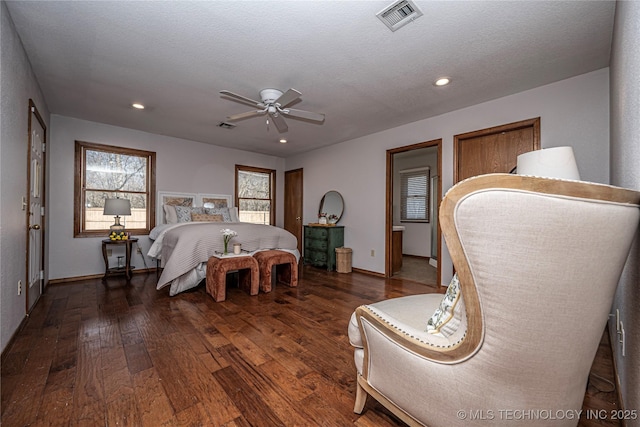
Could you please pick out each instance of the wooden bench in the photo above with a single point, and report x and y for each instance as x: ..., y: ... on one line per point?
x: 218, y: 267
x: 285, y: 264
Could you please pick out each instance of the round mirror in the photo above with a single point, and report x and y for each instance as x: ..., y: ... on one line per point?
x: 332, y: 206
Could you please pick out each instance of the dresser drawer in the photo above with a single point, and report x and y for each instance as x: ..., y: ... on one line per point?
x: 316, y: 244
x: 316, y: 233
x: 316, y: 257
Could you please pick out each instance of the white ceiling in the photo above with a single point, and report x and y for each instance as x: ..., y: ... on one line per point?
x: 93, y: 59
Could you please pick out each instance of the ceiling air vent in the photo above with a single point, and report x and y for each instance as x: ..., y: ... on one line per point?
x: 225, y: 125
x: 398, y: 14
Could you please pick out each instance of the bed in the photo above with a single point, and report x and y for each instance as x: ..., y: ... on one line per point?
x: 189, y: 233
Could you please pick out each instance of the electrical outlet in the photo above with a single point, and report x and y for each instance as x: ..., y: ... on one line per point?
x: 19, y: 287
x: 373, y: 252
x: 109, y: 252
x: 139, y: 250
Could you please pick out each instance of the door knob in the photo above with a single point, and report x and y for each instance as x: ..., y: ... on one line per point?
x: 34, y: 227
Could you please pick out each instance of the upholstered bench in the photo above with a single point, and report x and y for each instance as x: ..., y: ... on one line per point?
x: 285, y: 264
x: 217, y: 269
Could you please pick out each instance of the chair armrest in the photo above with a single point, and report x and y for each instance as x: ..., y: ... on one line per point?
x: 447, y: 350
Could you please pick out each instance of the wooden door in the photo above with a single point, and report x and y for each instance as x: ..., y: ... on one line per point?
x: 494, y: 150
x: 293, y: 204
x: 34, y: 204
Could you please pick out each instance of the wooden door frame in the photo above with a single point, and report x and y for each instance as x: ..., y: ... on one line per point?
x: 389, y: 203
x: 457, y: 139
x: 301, y: 170
x: 33, y: 111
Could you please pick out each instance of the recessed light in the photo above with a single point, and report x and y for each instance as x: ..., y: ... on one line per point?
x: 138, y: 106
x: 283, y: 141
x: 443, y: 81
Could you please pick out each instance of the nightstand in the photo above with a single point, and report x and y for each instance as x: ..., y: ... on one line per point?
x: 126, y: 269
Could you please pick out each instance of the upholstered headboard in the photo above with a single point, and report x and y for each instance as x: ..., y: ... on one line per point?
x: 171, y: 198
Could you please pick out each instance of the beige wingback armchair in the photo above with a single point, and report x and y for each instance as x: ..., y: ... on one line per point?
x: 538, y: 261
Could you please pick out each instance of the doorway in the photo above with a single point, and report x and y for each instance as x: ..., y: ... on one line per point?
x: 421, y: 240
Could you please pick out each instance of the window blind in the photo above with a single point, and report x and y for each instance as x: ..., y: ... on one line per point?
x: 414, y: 195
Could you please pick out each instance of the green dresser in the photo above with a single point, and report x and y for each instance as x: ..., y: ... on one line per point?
x: 320, y: 245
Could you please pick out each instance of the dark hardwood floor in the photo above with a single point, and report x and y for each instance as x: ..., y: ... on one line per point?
x: 118, y: 354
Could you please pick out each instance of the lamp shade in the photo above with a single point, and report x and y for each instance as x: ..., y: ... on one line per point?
x: 556, y: 162
x: 117, y: 207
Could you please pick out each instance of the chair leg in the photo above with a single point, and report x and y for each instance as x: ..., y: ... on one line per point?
x: 361, y: 399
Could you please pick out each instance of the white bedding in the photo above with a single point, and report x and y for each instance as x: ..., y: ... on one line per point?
x: 185, y: 248
x: 157, y: 235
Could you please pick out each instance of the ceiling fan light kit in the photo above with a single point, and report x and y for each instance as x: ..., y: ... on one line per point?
x: 273, y: 102
x: 270, y: 95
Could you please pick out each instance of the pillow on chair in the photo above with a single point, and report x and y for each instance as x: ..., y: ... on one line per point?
x: 445, y: 321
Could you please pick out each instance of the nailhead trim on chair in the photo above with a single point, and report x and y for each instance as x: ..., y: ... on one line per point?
x: 430, y: 344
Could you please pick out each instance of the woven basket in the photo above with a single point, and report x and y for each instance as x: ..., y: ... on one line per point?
x: 343, y: 260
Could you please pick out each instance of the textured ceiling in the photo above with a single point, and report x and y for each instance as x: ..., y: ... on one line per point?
x: 93, y: 59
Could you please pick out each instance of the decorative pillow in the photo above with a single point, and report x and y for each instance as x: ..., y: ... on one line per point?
x: 184, y: 212
x: 196, y: 217
x: 446, y: 319
x: 219, y: 211
x: 170, y: 216
x: 233, y: 213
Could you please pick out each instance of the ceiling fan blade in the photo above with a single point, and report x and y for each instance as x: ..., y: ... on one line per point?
x: 288, y: 97
x: 309, y: 115
x: 241, y: 98
x: 278, y: 120
x: 246, y: 115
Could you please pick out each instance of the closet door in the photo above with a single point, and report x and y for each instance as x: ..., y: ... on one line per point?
x: 34, y: 204
x: 494, y: 150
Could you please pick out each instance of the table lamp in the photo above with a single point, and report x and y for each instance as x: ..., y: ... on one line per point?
x: 556, y: 162
x: 117, y: 207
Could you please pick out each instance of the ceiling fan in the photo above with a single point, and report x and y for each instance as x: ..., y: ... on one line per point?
x: 274, y: 104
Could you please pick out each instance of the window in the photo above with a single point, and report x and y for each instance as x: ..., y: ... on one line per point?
x: 103, y: 172
x: 414, y: 195
x: 256, y: 194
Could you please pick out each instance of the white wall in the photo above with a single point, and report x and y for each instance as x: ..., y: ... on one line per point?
x: 17, y: 85
x: 573, y: 112
x: 181, y: 165
x: 625, y: 172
